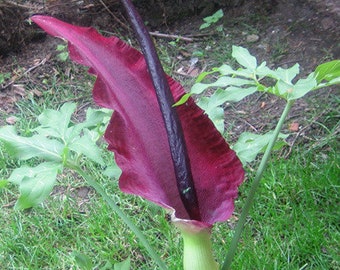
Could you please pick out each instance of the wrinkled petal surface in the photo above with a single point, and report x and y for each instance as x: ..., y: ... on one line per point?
x: 136, y: 133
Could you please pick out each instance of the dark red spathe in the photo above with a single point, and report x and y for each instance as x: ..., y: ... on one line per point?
x: 136, y: 133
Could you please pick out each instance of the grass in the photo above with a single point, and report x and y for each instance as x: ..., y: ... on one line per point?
x: 294, y: 223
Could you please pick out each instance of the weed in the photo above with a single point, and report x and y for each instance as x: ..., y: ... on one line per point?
x: 213, y: 19
x: 63, y: 53
x: 4, y: 77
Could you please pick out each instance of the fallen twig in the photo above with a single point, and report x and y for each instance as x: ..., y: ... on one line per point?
x: 188, y: 38
x: 201, y: 35
x: 157, y: 34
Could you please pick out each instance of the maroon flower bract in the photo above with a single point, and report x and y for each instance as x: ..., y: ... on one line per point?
x: 136, y: 133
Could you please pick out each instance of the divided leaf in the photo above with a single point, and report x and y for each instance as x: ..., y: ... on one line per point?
x: 25, y: 148
x: 211, y: 105
x: 35, y: 183
x: 249, y: 145
x: 215, y: 113
x: 58, y: 135
x: 328, y: 71
x: 86, y: 145
x: 302, y: 87
x: 95, y: 117
x: 244, y: 58
x: 224, y: 81
x: 55, y: 123
x: 286, y: 74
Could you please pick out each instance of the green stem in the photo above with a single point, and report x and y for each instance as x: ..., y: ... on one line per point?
x: 197, y: 252
x: 122, y: 215
x: 255, y: 184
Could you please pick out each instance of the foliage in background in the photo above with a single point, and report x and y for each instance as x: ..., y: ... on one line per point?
x: 56, y: 142
x: 234, y: 85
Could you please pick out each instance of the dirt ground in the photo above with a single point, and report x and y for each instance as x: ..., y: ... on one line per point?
x: 303, y: 31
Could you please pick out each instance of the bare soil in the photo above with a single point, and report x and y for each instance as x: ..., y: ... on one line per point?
x: 303, y: 31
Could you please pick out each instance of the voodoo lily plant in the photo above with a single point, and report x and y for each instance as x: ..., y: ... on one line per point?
x: 170, y: 155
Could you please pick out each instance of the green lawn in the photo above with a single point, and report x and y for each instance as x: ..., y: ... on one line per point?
x: 294, y: 223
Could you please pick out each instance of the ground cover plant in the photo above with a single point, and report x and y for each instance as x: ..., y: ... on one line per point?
x: 80, y: 256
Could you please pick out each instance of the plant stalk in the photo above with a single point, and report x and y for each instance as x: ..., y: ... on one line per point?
x: 122, y: 216
x: 250, y: 199
x: 197, y: 252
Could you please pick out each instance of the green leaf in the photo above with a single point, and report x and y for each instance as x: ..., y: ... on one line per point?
x: 204, y: 25
x: 263, y: 71
x: 96, y: 117
x: 217, y: 98
x: 198, y: 53
x: 215, y: 17
x: 108, y: 266
x: 182, y: 100
x: 204, y: 74
x: 55, y: 123
x: 328, y: 71
x: 335, y: 81
x: 96, y: 120
x: 19, y: 173
x: 86, y: 145
x: 225, y: 70
x: 286, y: 74
x: 113, y: 171
x: 58, y: 123
x: 61, y: 47
x: 83, y: 261
x: 28, y: 147
x: 216, y: 114
x: 37, y: 184
x: 124, y: 265
x: 220, y: 96
x: 249, y: 145
x: 281, y: 89
x: 224, y: 81
x: 233, y: 94
x: 244, y: 58
x: 302, y: 87
x: 63, y: 56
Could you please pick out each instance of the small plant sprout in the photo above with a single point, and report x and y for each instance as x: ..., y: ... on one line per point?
x: 4, y: 77
x: 213, y: 19
x: 63, y: 53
